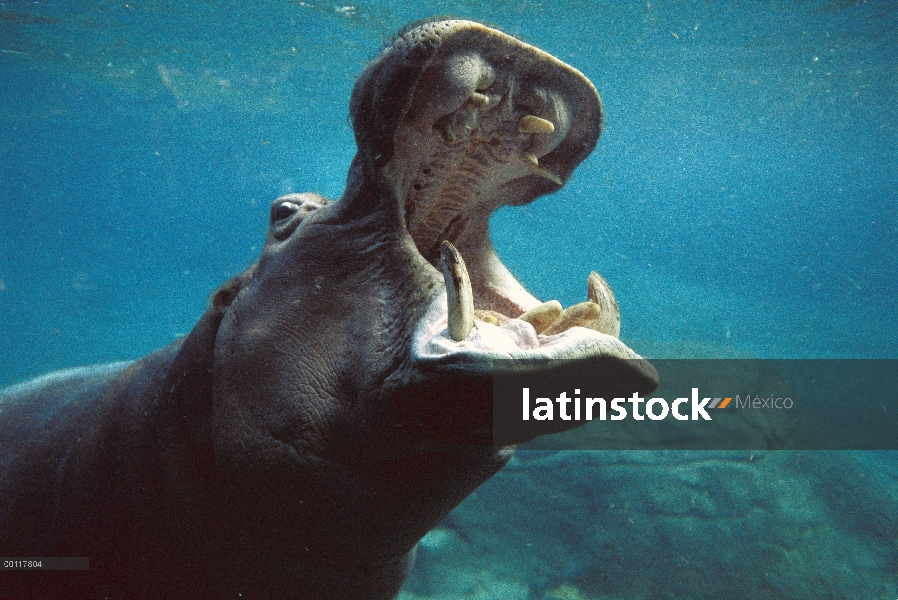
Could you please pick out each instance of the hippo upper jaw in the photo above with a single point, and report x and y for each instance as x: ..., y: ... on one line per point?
x: 455, y: 120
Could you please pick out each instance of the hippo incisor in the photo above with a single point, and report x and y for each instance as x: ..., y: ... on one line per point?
x: 331, y: 406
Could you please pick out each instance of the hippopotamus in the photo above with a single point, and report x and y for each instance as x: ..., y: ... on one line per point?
x: 333, y: 404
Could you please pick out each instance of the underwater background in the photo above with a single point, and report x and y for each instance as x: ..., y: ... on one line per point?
x: 742, y: 202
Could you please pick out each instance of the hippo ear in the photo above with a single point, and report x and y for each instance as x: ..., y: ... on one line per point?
x: 224, y: 295
x: 187, y: 392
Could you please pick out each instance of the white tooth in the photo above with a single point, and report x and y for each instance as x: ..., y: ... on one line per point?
x: 543, y: 315
x: 534, y: 124
x: 600, y: 292
x: 478, y: 100
x: 578, y: 315
x: 532, y: 162
x: 459, y: 296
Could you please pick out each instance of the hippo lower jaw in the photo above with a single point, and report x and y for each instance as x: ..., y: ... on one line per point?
x: 573, y: 333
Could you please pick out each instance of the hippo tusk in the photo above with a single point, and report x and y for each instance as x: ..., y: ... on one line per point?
x: 459, y: 295
x: 600, y: 293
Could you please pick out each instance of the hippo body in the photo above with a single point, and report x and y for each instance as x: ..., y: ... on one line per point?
x: 334, y: 402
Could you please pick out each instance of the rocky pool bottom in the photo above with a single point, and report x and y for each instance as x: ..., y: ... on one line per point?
x: 641, y: 525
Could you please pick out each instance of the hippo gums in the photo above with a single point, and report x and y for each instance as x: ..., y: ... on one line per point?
x: 334, y: 403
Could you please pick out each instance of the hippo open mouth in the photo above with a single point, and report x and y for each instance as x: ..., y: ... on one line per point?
x: 461, y: 119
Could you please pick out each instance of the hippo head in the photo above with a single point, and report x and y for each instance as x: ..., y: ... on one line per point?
x: 352, y: 364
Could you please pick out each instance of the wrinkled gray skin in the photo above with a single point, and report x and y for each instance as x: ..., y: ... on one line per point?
x: 318, y: 420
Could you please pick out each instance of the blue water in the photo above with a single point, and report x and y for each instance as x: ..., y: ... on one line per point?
x: 741, y: 200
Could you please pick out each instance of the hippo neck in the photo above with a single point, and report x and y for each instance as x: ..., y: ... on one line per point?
x: 369, y: 195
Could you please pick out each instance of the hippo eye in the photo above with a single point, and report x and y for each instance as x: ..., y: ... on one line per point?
x: 288, y: 212
x: 284, y: 210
